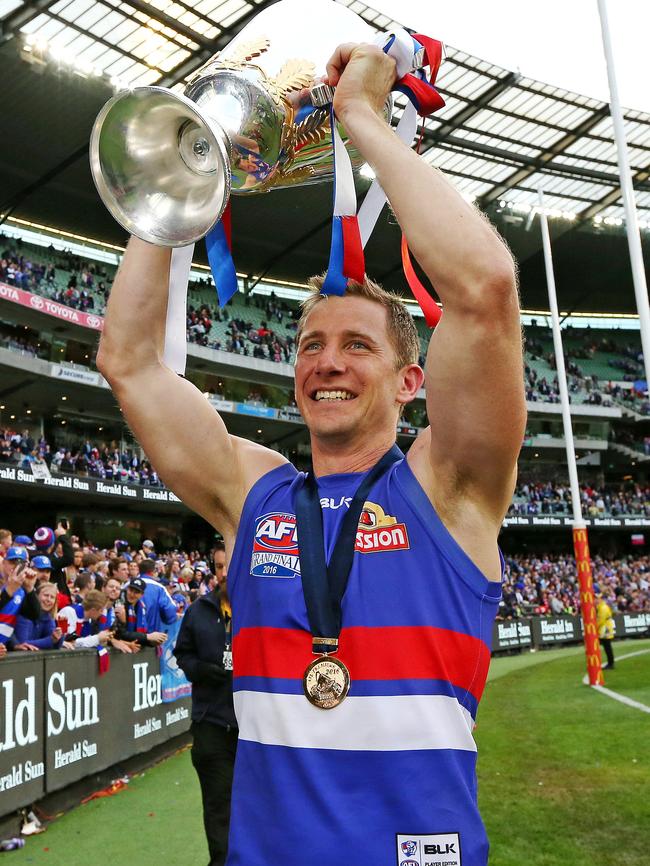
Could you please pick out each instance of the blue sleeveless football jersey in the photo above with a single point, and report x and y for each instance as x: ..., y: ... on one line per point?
x: 387, y: 778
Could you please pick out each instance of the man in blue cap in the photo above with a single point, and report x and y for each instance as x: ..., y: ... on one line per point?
x: 23, y: 541
x: 42, y: 565
x: 17, y: 594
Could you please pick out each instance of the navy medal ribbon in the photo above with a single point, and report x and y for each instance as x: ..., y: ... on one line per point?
x: 324, y: 584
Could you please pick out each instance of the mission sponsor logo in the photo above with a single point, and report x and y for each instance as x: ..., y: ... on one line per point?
x: 275, y: 546
x: 379, y: 531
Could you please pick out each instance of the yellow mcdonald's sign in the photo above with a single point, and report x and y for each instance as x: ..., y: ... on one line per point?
x: 593, y: 660
x: 584, y: 565
x: 580, y: 534
x: 590, y: 628
x: 587, y: 597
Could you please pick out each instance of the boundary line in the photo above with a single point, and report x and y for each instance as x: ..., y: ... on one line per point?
x: 623, y: 699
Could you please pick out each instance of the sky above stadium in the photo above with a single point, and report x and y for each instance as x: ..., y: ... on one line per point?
x: 556, y: 41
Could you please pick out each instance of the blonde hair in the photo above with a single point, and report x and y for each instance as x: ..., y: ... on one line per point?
x: 94, y: 600
x: 48, y: 585
x: 400, y: 325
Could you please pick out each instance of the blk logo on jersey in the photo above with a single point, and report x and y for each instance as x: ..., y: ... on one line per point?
x: 435, y: 849
x: 275, y: 546
x: 379, y: 531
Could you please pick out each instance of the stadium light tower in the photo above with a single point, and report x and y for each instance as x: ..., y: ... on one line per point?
x: 580, y: 539
x: 627, y: 191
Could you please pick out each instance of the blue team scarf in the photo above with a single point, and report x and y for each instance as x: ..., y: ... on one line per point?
x: 107, y: 619
x: 135, y: 617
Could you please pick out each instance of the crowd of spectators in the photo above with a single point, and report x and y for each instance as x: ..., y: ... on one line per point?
x: 548, y: 585
x: 554, y: 497
x: 103, y: 460
x: 25, y: 271
x: 74, y: 594
x: 242, y: 336
x: 59, y: 593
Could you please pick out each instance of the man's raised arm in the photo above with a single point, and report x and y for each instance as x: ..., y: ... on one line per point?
x: 180, y: 431
x: 474, y: 375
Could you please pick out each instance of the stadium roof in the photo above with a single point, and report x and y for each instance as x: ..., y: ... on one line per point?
x: 500, y: 136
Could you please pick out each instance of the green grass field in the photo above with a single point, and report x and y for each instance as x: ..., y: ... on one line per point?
x: 564, y: 779
x: 564, y: 772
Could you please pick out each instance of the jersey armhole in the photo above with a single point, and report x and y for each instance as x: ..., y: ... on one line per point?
x: 463, y: 565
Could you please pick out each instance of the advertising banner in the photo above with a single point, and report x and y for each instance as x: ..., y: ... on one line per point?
x: 52, y: 308
x: 555, y: 629
x: 22, y: 740
x: 256, y: 411
x: 60, y: 721
x: 524, y: 521
x: 72, y: 374
x: 511, y: 634
x: 630, y: 624
x: 145, y: 721
x: 78, y: 723
x: 86, y: 484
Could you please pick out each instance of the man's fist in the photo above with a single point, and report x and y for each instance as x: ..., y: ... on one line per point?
x: 29, y: 579
x: 363, y: 76
x: 157, y: 637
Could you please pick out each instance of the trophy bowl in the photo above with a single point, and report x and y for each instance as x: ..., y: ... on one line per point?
x: 165, y: 163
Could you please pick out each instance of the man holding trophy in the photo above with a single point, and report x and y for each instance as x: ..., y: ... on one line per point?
x: 355, y: 716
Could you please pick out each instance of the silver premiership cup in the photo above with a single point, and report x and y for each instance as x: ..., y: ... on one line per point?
x: 248, y: 121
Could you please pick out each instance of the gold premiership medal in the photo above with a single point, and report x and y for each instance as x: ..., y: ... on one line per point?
x: 326, y: 682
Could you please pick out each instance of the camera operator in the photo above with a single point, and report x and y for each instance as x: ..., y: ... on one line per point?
x: 203, y: 652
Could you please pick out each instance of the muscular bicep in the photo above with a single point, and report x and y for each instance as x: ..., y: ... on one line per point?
x: 189, y: 446
x: 475, y: 402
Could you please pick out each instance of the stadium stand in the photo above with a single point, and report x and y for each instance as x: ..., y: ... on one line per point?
x: 599, y: 362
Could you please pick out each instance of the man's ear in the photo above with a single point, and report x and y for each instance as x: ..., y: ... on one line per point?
x: 412, y: 379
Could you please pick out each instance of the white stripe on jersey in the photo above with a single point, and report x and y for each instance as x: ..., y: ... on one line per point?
x: 382, y: 724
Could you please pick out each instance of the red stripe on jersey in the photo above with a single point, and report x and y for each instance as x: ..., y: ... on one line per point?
x: 9, y: 618
x: 387, y: 653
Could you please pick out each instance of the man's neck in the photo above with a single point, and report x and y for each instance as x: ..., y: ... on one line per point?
x: 333, y: 459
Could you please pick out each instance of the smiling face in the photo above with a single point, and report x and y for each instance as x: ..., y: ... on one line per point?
x: 47, y: 597
x: 112, y: 588
x: 348, y: 384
